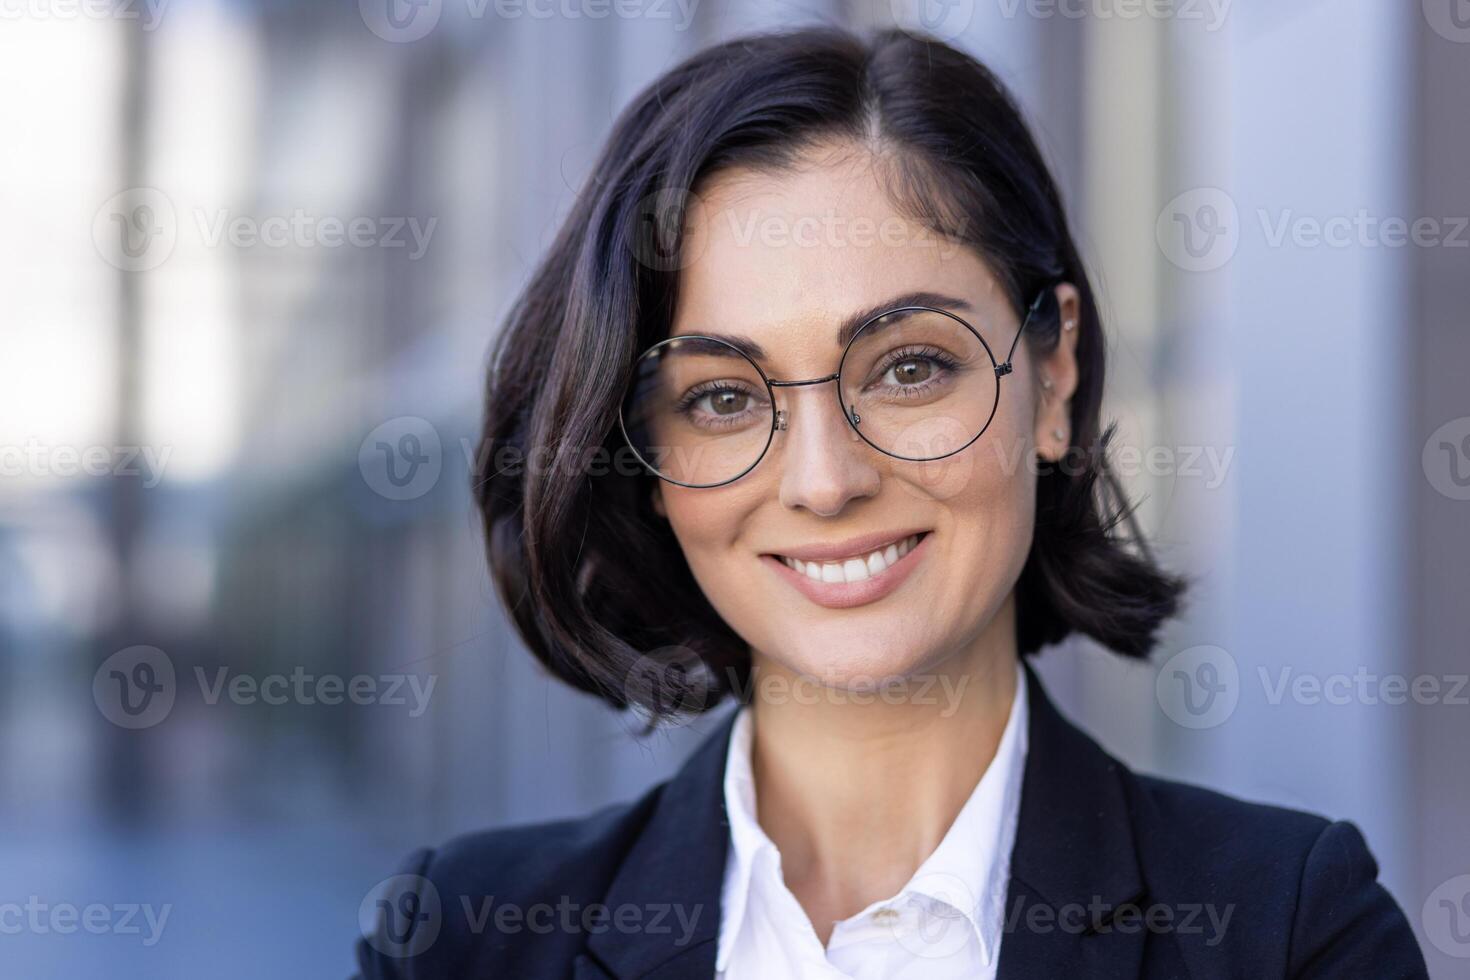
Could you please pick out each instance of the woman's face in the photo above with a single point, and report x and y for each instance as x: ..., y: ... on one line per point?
x: 783, y: 260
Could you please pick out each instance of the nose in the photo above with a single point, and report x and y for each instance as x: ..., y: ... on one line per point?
x: 824, y: 463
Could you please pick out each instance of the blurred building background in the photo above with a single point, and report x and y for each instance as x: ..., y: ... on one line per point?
x: 253, y: 256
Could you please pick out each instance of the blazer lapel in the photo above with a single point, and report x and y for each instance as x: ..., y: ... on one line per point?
x: 670, y: 882
x: 1074, y: 869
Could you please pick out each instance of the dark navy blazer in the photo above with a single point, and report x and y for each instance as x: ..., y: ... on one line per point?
x: 1113, y: 874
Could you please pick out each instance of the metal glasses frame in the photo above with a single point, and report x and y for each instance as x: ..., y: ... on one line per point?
x: 778, y: 417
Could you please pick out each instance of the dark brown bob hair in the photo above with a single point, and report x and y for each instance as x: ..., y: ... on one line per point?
x: 593, y: 577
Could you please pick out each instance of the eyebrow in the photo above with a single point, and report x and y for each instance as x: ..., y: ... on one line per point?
x: 854, y: 322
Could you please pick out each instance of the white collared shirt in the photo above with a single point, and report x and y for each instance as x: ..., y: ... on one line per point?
x: 946, y: 922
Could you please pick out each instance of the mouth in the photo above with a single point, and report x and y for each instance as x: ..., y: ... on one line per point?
x: 855, y: 579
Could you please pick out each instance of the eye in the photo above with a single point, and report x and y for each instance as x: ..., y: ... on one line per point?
x: 718, y: 404
x: 912, y: 370
x: 726, y: 401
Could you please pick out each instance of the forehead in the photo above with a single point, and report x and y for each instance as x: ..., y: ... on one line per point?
x: 783, y: 257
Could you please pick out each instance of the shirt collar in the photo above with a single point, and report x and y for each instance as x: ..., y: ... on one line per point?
x: 747, y: 839
x: 968, y: 871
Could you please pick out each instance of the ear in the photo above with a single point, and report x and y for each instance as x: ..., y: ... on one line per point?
x: 658, y: 499
x: 1056, y: 379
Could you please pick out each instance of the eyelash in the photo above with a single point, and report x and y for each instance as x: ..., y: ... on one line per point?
x: 691, y: 397
x: 940, y: 357
x: 686, y: 404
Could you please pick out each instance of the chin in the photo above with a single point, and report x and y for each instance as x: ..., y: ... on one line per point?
x: 853, y: 660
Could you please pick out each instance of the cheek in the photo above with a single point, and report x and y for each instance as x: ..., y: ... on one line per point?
x: 991, y: 505
x: 997, y: 467
x: 1002, y: 487
x: 708, y: 524
x: 1005, y: 466
x: 994, y: 476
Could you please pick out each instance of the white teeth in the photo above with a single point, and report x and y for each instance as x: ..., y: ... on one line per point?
x: 853, y: 569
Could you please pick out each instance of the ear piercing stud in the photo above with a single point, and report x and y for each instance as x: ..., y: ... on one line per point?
x: 1058, y: 434
x: 1046, y: 384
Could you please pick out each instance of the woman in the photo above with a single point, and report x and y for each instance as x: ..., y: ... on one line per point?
x: 678, y: 509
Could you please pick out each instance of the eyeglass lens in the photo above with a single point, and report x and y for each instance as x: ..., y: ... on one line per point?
x: 915, y: 384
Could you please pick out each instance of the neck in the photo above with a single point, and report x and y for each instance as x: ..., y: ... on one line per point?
x: 881, y: 777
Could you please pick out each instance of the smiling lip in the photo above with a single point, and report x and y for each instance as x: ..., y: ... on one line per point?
x: 852, y: 547
x: 843, y: 595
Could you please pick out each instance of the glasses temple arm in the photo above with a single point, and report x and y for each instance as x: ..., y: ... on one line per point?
x: 1005, y: 368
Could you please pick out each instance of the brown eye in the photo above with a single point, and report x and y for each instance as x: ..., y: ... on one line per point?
x: 913, y: 371
x: 728, y: 402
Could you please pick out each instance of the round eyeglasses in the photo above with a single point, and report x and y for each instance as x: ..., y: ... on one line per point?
x: 915, y: 382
